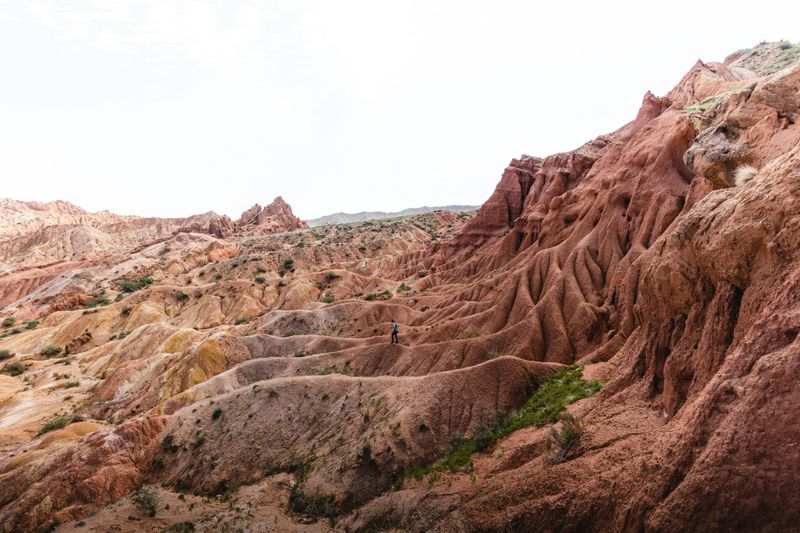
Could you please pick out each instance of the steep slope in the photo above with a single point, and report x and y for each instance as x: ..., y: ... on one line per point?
x: 662, y: 256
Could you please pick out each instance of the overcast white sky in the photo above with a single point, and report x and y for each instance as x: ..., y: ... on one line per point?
x: 174, y: 107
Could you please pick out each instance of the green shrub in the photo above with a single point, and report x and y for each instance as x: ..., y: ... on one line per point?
x: 330, y: 277
x: 182, y: 297
x: 33, y: 324
x: 288, y: 266
x: 51, y: 351
x: 327, y: 299
x: 241, y: 320
x: 133, y: 286
x: 13, y: 369
x: 260, y: 270
x: 59, y: 422
x: 72, y: 384
x: 403, y: 288
x: 5, y: 354
x: 259, y: 279
x: 145, y: 500
x: 383, y: 295
x: 96, y: 301
x: 216, y: 414
x: 9, y: 321
x: 560, y: 442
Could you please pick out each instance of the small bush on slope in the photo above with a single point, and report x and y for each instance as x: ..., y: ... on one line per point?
x: 13, y: 369
x: 58, y: 422
x: 560, y: 441
x: 543, y: 407
x: 145, y: 500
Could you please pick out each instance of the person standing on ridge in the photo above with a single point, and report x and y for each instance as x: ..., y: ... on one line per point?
x: 395, y: 331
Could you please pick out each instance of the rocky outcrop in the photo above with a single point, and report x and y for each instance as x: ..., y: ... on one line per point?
x: 639, y: 255
x: 275, y: 218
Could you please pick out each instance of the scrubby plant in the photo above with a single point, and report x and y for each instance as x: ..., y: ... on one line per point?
x: 51, y: 351
x: 216, y: 414
x: 58, y: 422
x: 5, y: 354
x: 561, y: 441
x: 133, y: 286
x: 383, y: 295
x: 182, y: 297
x: 9, y: 321
x: 97, y: 301
x: 288, y: 266
x: 146, y: 500
x: 241, y: 320
x: 259, y: 279
x: 403, y: 288
x: 327, y: 299
x: 13, y: 369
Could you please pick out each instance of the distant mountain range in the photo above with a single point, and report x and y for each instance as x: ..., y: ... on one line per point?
x: 346, y: 218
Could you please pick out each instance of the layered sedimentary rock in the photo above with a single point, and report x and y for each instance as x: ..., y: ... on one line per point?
x: 644, y: 255
x: 274, y: 218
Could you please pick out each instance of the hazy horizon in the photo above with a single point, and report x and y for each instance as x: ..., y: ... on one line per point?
x: 175, y: 107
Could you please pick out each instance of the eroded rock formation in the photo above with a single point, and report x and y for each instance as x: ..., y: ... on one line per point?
x: 232, y: 360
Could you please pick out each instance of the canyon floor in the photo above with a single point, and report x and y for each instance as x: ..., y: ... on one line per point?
x: 608, y: 344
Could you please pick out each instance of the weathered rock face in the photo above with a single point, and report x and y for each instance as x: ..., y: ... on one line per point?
x: 274, y: 218
x: 634, y: 255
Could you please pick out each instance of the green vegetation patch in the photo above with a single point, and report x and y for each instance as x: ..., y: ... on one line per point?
x: 13, y: 369
x: 383, y: 295
x: 706, y: 105
x: 51, y: 351
x: 133, y: 286
x: 59, y: 422
x: 543, y: 407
